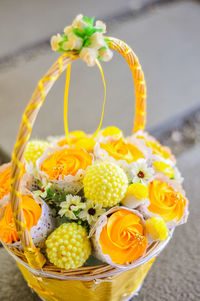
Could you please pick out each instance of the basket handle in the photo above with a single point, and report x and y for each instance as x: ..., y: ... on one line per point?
x: 30, y: 114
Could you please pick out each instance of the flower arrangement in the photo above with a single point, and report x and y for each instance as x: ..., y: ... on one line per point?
x: 85, y: 38
x: 90, y: 198
x: 139, y: 201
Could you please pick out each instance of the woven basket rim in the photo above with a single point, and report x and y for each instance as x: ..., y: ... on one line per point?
x: 90, y: 272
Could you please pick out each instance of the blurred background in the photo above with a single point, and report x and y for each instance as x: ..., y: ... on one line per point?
x: 165, y: 36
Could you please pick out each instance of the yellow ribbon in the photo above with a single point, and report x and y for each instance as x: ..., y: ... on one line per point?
x: 104, y: 101
x: 35, y: 259
x: 66, y: 102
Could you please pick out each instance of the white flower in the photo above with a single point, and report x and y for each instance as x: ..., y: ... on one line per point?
x: 101, y: 25
x: 54, y: 42
x: 43, y: 192
x: 89, y: 55
x: 97, y: 40
x: 140, y: 172
x: 106, y: 54
x: 177, y: 176
x: 72, y: 203
x: 73, y: 43
x: 68, y: 30
x: 78, y: 22
x: 91, y: 212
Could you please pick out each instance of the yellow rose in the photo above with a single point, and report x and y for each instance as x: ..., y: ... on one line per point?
x: 65, y: 162
x: 32, y: 212
x: 165, y: 201
x: 164, y: 168
x: 122, y: 238
x: 5, y: 180
x: 157, y: 148
x: 122, y: 150
x: 112, y: 131
x: 73, y: 138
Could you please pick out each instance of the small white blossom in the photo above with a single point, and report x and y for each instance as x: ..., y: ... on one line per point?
x: 89, y: 55
x: 177, y: 176
x: 140, y: 172
x: 101, y: 25
x: 78, y: 22
x: 43, y: 191
x: 54, y: 42
x: 68, y: 30
x: 73, y: 43
x: 97, y: 40
x: 106, y: 54
x: 72, y: 203
x: 91, y: 212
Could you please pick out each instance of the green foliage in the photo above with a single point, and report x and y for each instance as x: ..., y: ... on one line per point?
x: 103, y: 48
x: 86, y: 42
x: 79, y: 32
x: 54, y: 197
x: 89, y: 21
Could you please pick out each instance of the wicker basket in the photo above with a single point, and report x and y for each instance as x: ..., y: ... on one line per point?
x: 100, y: 283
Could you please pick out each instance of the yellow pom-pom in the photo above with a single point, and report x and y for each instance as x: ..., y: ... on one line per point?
x: 157, y: 228
x: 68, y: 247
x: 164, y: 168
x: 34, y: 150
x: 138, y: 190
x: 112, y: 131
x: 105, y: 183
x: 135, y: 195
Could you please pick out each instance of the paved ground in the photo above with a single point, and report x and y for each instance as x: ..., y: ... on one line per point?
x: 174, y: 276
x: 167, y: 41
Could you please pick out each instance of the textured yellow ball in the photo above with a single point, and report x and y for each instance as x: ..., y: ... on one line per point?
x: 68, y: 247
x: 157, y: 228
x: 34, y: 150
x: 105, y: 183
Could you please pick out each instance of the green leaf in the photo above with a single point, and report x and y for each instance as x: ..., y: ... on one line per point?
x: 89, y: 21
x: 65, y: 37
x: 79, y: 32
x: 89, y: 31
x: 103, y: 48
x: 77, y: 211
x: 92, y: 261
x: 108, y: 41
x: 100, y: 57
x: 86, y: 42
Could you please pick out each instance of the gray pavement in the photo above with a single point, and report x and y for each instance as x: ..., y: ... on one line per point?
x: 167, y: 42
x: 175, y: 274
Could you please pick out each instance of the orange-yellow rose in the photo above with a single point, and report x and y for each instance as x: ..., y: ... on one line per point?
x: 122, y: 238
x: 157, y: 148
x: 66, y: 162
x: 165, y: 201
x: 73, y: 138
x: 122, y: 150
x: 79, y: 139
x: 5, y: 181
x: 32, y: 212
